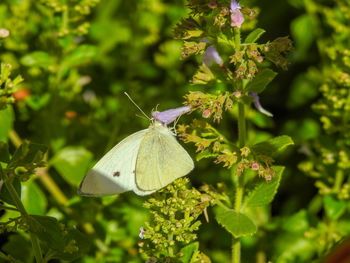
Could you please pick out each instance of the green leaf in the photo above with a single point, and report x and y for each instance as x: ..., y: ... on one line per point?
x: 6, y: 122
x: 4, y: 152
x: 261, y: 80
x: 334, y: 208
x: 264, y: 192
x: 188, y: 252
x: 81, y: 55
x: 66, y: 244
x: 273, y: 145
x: 37, y: 59
x: 302, y: 30
x: 297, y: 223
x: 72, y: 163
x: 5, y: 195
x: 254, y: 36
x: 33, y: 198
x: 28, y: 154
x: 238, y: 224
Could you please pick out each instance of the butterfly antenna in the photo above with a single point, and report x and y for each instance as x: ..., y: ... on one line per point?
x: 137, y: 106
x: 141, y: 116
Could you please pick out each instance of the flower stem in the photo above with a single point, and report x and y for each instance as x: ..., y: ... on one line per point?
x: 236, y: 243
x: 21, y: 209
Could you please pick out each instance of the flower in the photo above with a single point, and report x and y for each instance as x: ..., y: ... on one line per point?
x: 237, y: 18
x: 258, y: 105
x: 4, y: 33
x: 168, y: 116
x: 211, y: 55
x: 255, y: 165
x: 142, y: 233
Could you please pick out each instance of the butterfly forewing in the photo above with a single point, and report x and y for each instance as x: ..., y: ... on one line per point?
x: 161, y: 159
x: 115, y: 172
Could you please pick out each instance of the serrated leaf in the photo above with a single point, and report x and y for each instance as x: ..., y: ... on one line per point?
x: 66, y: 244
x: 334, y: 208
x: 265, y: 191
x: 28, y: 154
x: 37, y: 59
x: 205, y: 155
x: 4, y: 152
x: 273, y: 145
x: 238, y: 224
x: 188, y: 252
x: 254, y: 36
x: 5, y: 194
x: 261, y: 80
x: 72, y: 163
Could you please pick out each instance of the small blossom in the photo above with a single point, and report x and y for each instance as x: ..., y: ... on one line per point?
x: 168, y: 116
x: 237, y: 94
x: 268, y: 177
x: 4, y: 33
x: 255, y: 166
x: 142, y: 233
x: 206, y: 113
x: 258, y: 105
x: 237, y: 18
x: 211, y: 55
x: 245, y: 151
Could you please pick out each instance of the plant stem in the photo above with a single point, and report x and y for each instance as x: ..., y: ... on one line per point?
x: 339, y: 177
x: 236, y: 243
x: 21, y: 209
x: 241, y: 125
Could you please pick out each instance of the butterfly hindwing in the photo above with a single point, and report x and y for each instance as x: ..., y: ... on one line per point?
x: 161, y: 159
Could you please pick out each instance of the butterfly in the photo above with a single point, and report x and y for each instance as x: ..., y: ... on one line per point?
x: 143, y: 162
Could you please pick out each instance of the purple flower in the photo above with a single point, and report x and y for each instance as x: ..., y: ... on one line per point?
x: 211, y: 55
x: 258, y: 105
x: 142, y: 233
x: 237, y: 18
x: 168, y: 116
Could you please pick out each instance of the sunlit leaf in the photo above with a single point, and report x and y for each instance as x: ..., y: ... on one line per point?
x: 273, y: 145
x: 238, y: 224
x: 265, y: 191
x: 33, y: 198
x: 254, y: 36
x: 261, y: 80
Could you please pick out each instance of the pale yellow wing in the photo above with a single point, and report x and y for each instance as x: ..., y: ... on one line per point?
x: 161, y: 159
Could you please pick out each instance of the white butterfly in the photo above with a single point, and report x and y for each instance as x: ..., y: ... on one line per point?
x: 143, y: 162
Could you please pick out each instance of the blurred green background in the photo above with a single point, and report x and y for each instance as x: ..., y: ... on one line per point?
x: 73, y: 102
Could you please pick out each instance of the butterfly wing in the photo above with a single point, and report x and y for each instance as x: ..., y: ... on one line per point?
x: 115, y: 172
x: 161, y: 159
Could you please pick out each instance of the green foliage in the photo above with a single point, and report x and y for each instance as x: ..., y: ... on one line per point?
x: 78, y: 57
x: 238, y: 224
